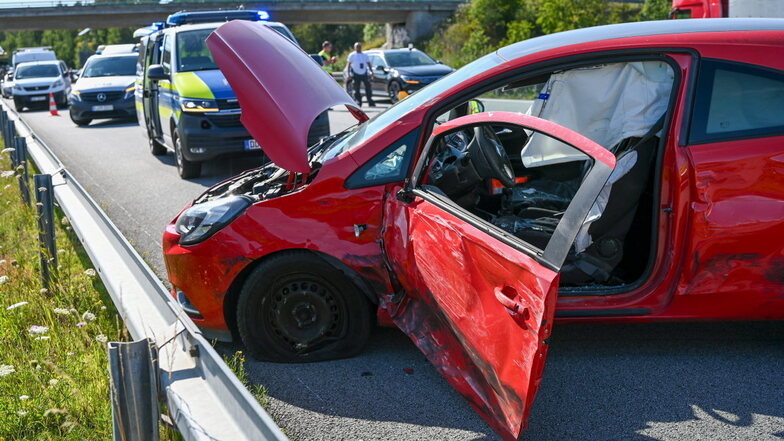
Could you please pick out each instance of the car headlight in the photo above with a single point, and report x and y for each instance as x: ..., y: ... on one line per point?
x: 197, y: 105
x: 17, y: 88
x: 409, y: 80
x: 76, y: 95
x: 129, y: 91
x: 58, y: 83
x: 203, y: 220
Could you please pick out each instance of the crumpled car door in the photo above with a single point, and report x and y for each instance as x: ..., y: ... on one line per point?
x: 477, y: 301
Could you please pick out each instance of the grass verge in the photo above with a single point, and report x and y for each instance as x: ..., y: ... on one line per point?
x: 53, y: 362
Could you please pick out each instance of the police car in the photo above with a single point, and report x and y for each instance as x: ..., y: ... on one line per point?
x: 184, y: 103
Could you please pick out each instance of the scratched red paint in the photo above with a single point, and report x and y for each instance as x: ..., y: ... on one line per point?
x: 719, y: 250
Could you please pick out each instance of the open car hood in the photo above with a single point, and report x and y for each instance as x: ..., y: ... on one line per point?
x: 281, y: 89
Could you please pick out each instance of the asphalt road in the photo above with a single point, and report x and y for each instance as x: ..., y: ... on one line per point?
x: 668, y: 382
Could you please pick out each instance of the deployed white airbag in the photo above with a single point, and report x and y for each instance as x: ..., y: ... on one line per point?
x: 606, y: 103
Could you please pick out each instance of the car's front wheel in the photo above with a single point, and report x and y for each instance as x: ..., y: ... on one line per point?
x: 80, y: 121
x: 185, y: 168
x: 296, y: 307
x: 18, y: 105
x: 394, y: 91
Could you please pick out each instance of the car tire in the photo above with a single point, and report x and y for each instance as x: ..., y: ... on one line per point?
x: 393, y: 90
x: 156, y: 148
x: 185, y: 168
x: 18, y: 105
x: 79, y: 121
x: 296, y: 307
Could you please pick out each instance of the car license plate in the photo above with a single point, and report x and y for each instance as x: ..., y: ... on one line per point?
x: 103, y: 108
x: 251, y: 144
x: 38, y: 98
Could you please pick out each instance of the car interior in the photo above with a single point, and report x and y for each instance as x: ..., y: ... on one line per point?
x: 522, y: 181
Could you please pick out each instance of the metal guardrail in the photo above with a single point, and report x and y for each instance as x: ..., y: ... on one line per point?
x: 205, y: 399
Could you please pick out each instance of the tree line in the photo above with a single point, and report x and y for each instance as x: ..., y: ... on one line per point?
x: 482, y: 26
x: 67, y: 44
x: 477, y: 28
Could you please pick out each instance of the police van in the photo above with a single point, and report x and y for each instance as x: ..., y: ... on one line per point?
x: 183, y: 102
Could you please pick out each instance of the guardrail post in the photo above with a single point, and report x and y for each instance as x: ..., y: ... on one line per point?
x: 133, y: 371
x: 10, y: 131
x: 21, y: 160
x: 45, y: 208
x: 3, y: 119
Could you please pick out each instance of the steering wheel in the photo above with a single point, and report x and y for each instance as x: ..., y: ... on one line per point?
x: 489, y: 157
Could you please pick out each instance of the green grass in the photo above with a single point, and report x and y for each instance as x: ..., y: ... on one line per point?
x: 237, y: 364
x: 53, y: 384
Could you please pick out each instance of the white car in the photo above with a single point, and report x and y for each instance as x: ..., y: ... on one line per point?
x: 8, y: 85
x: 34, y: 81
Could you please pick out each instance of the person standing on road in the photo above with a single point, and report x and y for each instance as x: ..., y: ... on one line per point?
x: 327, y: 59
x: 360, y: 70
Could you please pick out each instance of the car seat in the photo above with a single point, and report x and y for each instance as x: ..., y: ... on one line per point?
x: 595, y: 261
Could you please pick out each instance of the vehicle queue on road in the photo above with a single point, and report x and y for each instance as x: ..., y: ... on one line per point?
x: 170, y: 84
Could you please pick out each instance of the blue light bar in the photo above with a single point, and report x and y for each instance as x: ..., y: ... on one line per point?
x: 183, y: 18
x: 147, y: 30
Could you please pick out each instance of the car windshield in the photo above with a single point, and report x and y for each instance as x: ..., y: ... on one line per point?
x: 408, y: 58
x: 368, y: 129
x: 192, y: 52
x: 110, y: 67
x: 37, y: 71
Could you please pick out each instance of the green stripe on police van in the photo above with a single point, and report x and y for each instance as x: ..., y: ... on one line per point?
x: 189, y: 85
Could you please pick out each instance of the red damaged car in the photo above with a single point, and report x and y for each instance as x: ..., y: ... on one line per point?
x: 626, y: 173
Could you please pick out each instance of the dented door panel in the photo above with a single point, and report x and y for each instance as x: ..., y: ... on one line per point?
x: 492, y: 354
x: 735, y: 246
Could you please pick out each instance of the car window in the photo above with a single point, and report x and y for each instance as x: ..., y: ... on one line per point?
x: 166, y: 55
x: 391, y: 165
x: 408, y: 58
x: 109, y: 67
x: 375, y: 60
x: 282, y: 30
x: 140, y: 58
x: 466, y: 167
x: 37, y: 71
x: 737, y: 101
x: 192, y: 51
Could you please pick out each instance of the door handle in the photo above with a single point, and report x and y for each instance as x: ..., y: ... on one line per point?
x: 506, y: 296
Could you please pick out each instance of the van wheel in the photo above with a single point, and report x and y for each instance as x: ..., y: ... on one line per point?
x: 18, y: 105
x: 155, y: 147
x: 296, y: 307
x: 186, y: 169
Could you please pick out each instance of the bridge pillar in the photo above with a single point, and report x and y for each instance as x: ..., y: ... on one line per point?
x: 418, y: 25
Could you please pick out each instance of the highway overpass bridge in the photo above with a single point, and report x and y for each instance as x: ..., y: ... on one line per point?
x: 416, y: 17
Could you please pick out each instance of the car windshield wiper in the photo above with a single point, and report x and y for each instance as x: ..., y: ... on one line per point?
x: 319, y: 148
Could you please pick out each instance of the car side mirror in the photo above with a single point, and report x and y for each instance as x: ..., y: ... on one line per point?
x: 439, y: 62
x: 317, y: 58
x: 156, y: 73
x: 475, y: 106
x: 381, y: 68
x: 405, y: 195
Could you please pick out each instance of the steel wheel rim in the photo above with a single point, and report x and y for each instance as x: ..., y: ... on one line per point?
x: 178, y: 153
x: 304, y: 314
